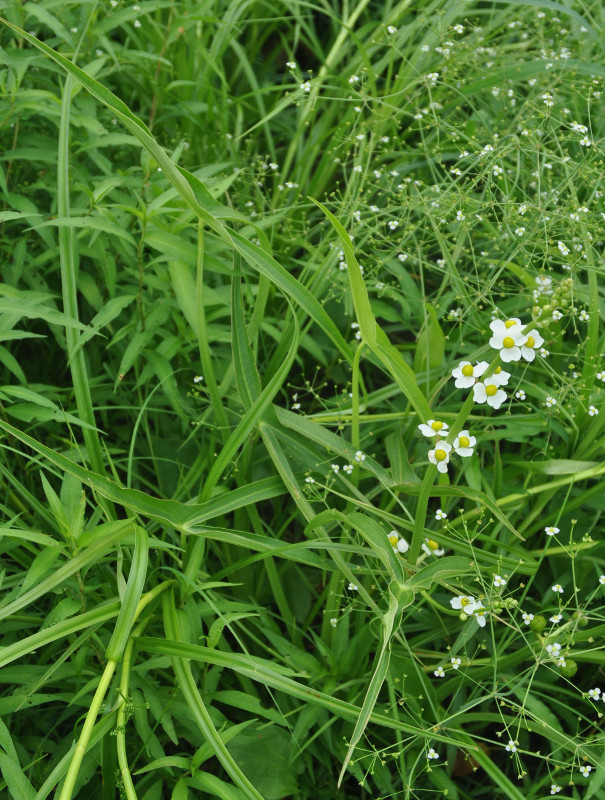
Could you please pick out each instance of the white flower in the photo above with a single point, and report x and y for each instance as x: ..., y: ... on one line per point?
x: 593, y: 411
x: 306, y: 86
x: 520, y: 395
x: 488, y: 392
x: 555, y: 789
x: 500, y: 377
x: 439, y: 672
x: 499, y: 581
x: 466, y: 374
x: 595, y: 693
x: 465, y: 603
x: 557, y: 588
x: 433, y: 427
x: 352, y: 587
x: 431, y: 548
x: 520, y: 231
x: 391, y: 29
x: 460, y: 216
x: 527, y: 618
x: 479, y: 614
x: 359, y: 456
x: 534, y: 341
x: 335, y: 467
x: 291, y: 64
x: 508, y: 338
x: 561, y: 662
x: 348, y: 468
x: 440, y: 456
x: 353, y: 79
x: 432, y: 754
x: 455, y: 662
x: 563, y: 248
x: 602, y: 580
x: 551, y: 530
x: 554, y: 649
x: 585, y: 141
x: 550, y: 402
x: 398, y: 543
x: 556, y: 618
x: 464, y: 443
x: 198, y: 379
x: 440, y: 514
x: 511, y: 747
x: 585, y: 769
x: 543, y: 352
x: 309, y: 480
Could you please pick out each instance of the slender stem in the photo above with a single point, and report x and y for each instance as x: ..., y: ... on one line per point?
x: 89, y: 723
x: 93, y: 711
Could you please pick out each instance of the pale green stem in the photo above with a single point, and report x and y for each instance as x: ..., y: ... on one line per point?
x: 93, y: 711
x: 89, y: 723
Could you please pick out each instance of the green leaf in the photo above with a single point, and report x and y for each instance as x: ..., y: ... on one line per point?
x: 430, y: 347
x: 134, y: 589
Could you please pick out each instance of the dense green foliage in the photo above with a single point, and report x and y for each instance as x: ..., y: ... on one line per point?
x: 244, y: 246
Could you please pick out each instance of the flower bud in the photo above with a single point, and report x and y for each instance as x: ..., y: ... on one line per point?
x: 538, y: 623
x: 570, y: 668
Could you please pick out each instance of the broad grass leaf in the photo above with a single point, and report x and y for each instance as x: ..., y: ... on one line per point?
x: 106, y: 537
x: 274, y: 675
x: 442, y: 569
x: 134, y: 589
x: 430, y: 347
x: 470, y: 494
x: 16, y: 781
x: 556, y: 466
x: 263, y: 753
x: 60, y: 630
x: 194, y: 700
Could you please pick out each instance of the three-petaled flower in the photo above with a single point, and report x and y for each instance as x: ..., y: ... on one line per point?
x: 440, y: 456
x: 534, y: 342
x: 508, y: 338
x: 489, y: 392
x: 464, y: 443
x: 466, y: 374
x: 433, y: 428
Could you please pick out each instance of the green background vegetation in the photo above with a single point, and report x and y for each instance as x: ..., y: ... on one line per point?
x: 177, y: 553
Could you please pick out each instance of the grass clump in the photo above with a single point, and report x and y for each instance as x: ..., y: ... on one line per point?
x: 300, y: 402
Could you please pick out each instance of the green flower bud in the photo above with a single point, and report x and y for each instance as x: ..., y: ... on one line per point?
x: 582, y: 620
x: 570, y: 668
x: 538, y: 623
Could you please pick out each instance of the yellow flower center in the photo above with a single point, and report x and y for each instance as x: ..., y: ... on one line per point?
x: 530, y: 341
x: 467, y: 370
x: 498, y: 370
x: 432, y: 544
x: 464, y: 441
x: 464, y: 601
x: 436, y: 426
x: 440, y: 455
x: 509, y: 323
x: 393, y: 540
x: 508, y: 341
x: 491, y: 390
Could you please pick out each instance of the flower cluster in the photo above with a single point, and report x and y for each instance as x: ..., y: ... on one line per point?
x: 468, y: 607
x: 440, y: 454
